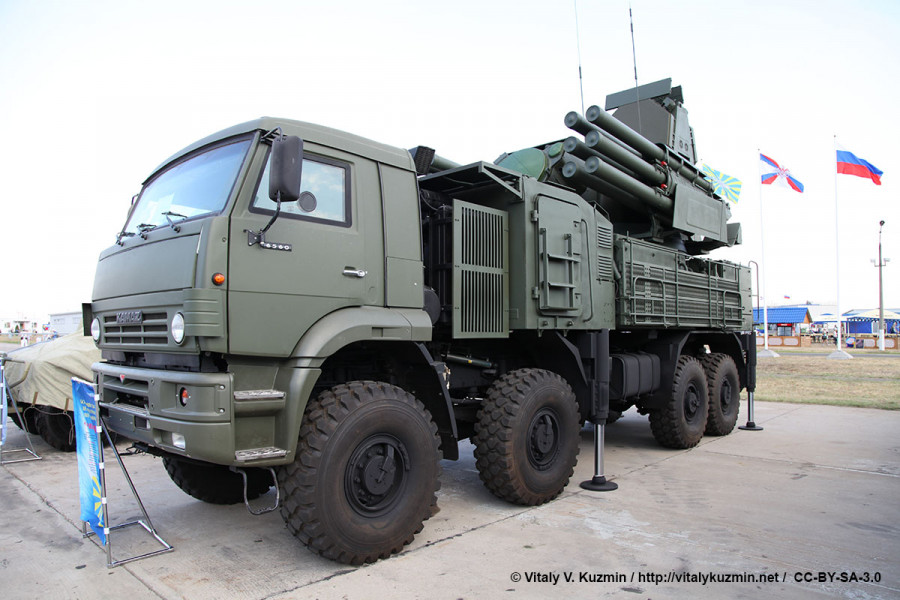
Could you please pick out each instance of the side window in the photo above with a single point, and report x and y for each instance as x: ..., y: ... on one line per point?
x: 327, y: 181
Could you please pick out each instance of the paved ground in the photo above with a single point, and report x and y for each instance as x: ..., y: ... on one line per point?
x: 814, y: 496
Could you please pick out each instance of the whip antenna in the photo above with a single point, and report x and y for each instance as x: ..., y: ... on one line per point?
x: 637, y: 92
x: 578, y: 44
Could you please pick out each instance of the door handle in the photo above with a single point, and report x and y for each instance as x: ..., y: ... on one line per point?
x: 351, y: 272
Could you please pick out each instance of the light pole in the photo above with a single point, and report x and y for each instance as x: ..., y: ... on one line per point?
x: 880, y: 266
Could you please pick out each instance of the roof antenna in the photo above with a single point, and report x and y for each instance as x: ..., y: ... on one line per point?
x: 637, y: 92
x: 578, y: 44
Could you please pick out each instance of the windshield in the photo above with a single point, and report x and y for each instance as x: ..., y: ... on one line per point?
x: 194, y: 187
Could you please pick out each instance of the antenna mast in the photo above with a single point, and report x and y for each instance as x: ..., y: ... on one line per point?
x: 578, y: 44
x: 634, y: 59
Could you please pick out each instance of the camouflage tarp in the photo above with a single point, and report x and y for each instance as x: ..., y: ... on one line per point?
x: 47, y: 369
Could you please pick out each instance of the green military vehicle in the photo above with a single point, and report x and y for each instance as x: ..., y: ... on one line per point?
x: 289, y: 305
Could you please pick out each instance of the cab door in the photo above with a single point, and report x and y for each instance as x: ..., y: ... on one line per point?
x: 314, y: 260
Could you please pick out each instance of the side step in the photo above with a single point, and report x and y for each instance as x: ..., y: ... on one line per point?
x: 258, y: 403
x: 268, y: 509
x: 252, y: 454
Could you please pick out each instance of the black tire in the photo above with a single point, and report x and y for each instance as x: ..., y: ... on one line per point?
x: 365, y: 475
x: 216, y: 484
x: 29, y: 416
x: 28, y: 422
x: 724, y: 393
x: 527, y: 437
x: 680, y: 424
x: 56, y: 427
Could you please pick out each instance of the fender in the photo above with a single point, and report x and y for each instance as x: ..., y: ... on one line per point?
x: 367, y: 323
x: 363, y: 323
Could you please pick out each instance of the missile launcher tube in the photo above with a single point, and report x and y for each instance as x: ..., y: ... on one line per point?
x: 576, y: 147
x: 614, y: 149
x: 654, y: 200
x: 576, y: 122
x: 574, y: 170
x: 579, y: 124
x: 642, y: 169
x: 650, y: 151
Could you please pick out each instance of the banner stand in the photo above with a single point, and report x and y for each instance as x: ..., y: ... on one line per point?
x: 145, y: 522
x: 90, y: 429
x: 4, y: 401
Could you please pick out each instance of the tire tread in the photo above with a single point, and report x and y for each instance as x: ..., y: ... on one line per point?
x: 495, y: 436
x: 718, y: 366
x: 667, y: 424
x: 322, y: 418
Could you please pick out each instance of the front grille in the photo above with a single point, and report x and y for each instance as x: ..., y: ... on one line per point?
x: 154, y: 330
x: 124, y: 390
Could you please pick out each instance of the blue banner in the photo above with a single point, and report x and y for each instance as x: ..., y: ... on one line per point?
x: 88, y: 441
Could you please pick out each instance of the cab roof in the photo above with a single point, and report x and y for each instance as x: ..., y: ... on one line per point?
x: 309, y: 132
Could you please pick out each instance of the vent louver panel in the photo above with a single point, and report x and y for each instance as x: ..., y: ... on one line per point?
x: 480, y: 272
x: 604, y: 255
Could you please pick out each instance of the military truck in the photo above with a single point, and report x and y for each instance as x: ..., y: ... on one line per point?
x: 289, y: 305
x: 39, y: 386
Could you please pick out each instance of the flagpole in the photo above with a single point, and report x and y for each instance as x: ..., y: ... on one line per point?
x: 839, y: 352
x: 762, y: 263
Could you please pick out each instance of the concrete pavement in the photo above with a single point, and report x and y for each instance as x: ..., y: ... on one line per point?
x: 811, y: 500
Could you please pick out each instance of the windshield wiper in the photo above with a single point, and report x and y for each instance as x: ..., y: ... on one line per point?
x: 143, y: 228
x: 168, y: 215
x: 123, y: 234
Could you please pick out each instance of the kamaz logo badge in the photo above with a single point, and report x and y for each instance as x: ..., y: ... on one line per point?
x: 129, y: 317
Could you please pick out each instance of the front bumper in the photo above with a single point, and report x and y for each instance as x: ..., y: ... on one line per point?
x: 144, y: 405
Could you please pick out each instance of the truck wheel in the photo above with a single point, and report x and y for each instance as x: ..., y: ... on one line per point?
x: 681, y: 422
x: 365, y: 474
x: 56, y: 427
x: 724, y: 393
x: 216, y: 484
x: 527, y: 436
x: 28, y: 422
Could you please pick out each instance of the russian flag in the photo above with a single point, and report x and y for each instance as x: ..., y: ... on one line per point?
x: 850, y: 164
x: 773, y: 173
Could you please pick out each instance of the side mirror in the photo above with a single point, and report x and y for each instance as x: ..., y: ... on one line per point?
x: 285, y: 168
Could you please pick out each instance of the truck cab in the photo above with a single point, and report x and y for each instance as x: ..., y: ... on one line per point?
x: 201, y: 307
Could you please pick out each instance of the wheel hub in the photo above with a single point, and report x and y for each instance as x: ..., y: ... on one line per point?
x: 379, y: 473
x: 543, y: 438
x: 376, y: 475
x: 725, y: 395
x: 692, y: 402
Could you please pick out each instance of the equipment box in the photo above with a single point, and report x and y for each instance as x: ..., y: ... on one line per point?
x: 662, y: 287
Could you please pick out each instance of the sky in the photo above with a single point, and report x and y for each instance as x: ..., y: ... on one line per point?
x: 96, y: 94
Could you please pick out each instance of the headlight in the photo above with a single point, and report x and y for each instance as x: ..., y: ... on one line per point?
x: 178, y: 328
x: 95, y: 329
